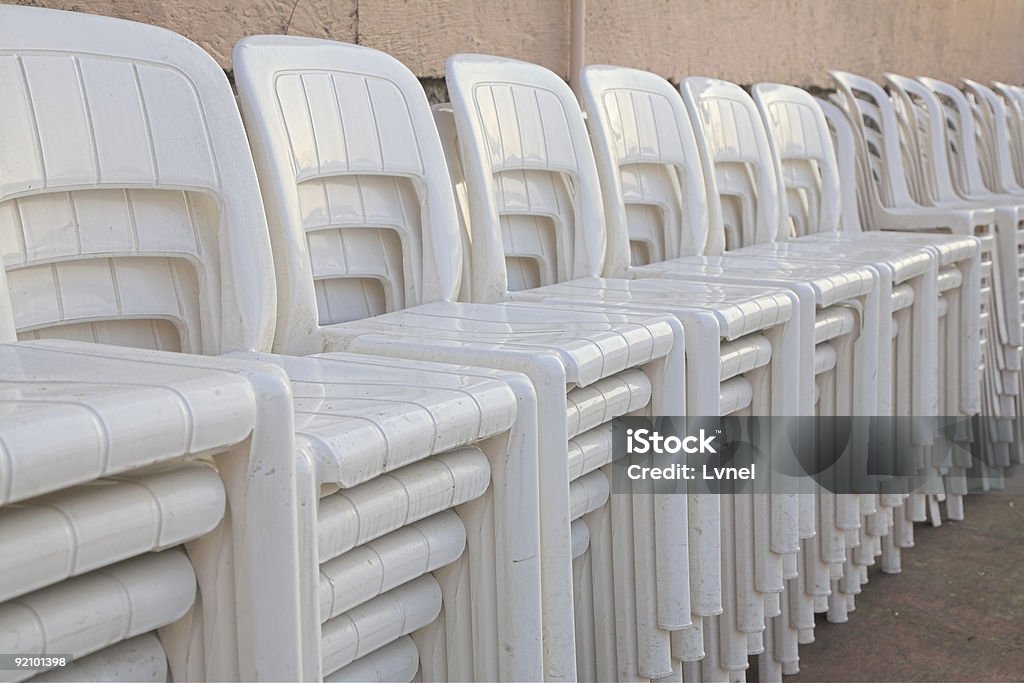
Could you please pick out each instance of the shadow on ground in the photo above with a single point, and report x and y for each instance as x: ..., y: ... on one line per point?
x: 956, y: 613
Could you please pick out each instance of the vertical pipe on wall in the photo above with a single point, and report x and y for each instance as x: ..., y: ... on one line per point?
x: 577, y: 41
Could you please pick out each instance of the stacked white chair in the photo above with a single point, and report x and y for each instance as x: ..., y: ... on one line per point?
x: 884, y: 153
x: 954, y: 402
x: 997, y: 126
x: 856, y: 192
x: 949, y: 162
x: 633, y: 174
x: 846, y: 403
x: 887, y: 205
x: 745, y: 180
x: 874, y: 531
x: 1013, y: 101
x: 146, y: 512
x: 492, y: 76
x: 379, y: 515
x: 130, y: 213
x: 653, y: 208
x: 809, y: 173
x: 513, y: 186
x: 707, y: 313
x: 364, y: 224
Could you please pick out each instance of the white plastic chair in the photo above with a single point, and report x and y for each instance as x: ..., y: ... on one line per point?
x: 889, y: 207
x: 955, y: 253
x: 994, y: 121
x: 810, y: 172
x: 48, y: 154
x: 539, y: 192
x: 639, y: 173
x: 327, y: 119
x: 871, y: 544
x: 800, y: 142
x: 111, y: 455
x: 646, y: 83
x: 997, y: 126
x: 881, y: 528
x: 136, y: 130
x: 1013, y: 100
x: 953, y: 171
x: 958, y: 290
x: 882, y: 150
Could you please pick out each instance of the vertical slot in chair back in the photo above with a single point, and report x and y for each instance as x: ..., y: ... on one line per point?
x: 881, y: 137
x: 993, y: 119
x: 727, y: 124
x: 1013, y: 100
x: 800, y: 138
x: 965, y: 161
x: 539, y: 176
x: 360, y: 221
x: 122, y: 186
x: 852, y: 189
x: 645, y: 150
x: 932, y: 163
x: 444, y: 119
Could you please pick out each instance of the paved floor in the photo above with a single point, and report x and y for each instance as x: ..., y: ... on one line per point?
x: 956, y: 613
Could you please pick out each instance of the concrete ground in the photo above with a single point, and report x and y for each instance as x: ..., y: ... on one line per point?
x: 956, y: 613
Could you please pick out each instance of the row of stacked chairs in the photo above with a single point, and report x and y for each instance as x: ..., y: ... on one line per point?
x: 320, y: 384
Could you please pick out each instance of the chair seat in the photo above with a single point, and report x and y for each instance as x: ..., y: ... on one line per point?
x: 109, y: 414
x: 590, y: 345
x: 363, y: 416
x: 739, y: 310
x: 832, y: 283
x: 903, y: 262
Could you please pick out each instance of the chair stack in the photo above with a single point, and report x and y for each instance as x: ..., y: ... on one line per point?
x: 163, y: 248
x: 380, y: 218
x: 127, y: 531
x: 405, y: 520
x: 361, y: 423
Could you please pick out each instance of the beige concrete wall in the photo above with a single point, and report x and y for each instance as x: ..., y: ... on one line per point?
x: 796, y: 41
x: 742, y: 40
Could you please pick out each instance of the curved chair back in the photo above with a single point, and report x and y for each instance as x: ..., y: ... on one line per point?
x: 995, y: 121
x: 366, y: 223
x: 729, y: 129
x: 651, y: 172
x: 875, y: 122
x: 968, y: 170
x: 802, y: 144
x: 129, y: 207
x: 533, y: 192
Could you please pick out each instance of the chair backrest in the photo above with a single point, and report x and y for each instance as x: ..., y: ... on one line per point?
x: 967, y: 169
x: 444, y: 119
x: 8, y: 331
x: 129, y: 206
x: 1013, y: 100
x: 875, y: 123
x: 800, y: 139
x: 933, y: 149
x: 853, y: 202
x: 729, y: 130
x: 357, y: 194
x: 652, y: 178
x: 534, y: 198
x: 992, y: 110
